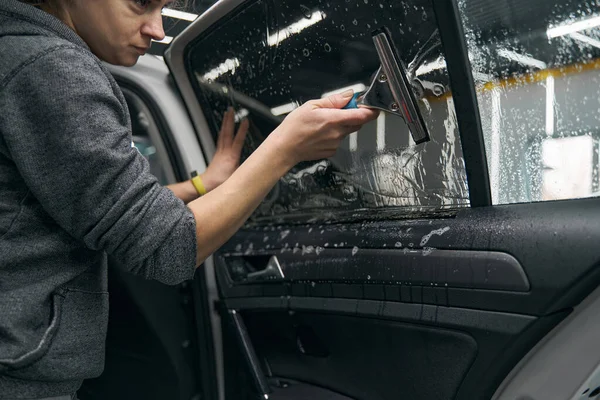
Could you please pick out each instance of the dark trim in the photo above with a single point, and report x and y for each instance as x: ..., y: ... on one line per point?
x: 427, y: 314
x: 163, y: 128
x: 469, y: 269
x: 465, y: 100
x: 206, y: 356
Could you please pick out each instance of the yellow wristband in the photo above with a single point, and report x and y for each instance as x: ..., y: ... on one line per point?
x: 198, y: 184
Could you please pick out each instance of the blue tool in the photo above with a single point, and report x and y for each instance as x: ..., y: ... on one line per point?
x: 353, y: 102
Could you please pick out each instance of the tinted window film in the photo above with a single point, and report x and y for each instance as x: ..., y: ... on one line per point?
x: 536, y: 64
x: 272, y: 56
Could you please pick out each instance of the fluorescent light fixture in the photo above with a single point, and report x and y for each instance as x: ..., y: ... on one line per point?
x: 168, y: 12
x: 380, y: 139
x: 586, y: 39
x: 573, y: 27
x: 294, y: 28
x: 357, y: 88
x: 550, y: 105
x: 480, y: 76
x: 166, y: 40
x: 226, y: 66
x: 522, y: 59
x: 240, y: 115
x: 285, y: 108
x: 495, y: 145
x: 424, y: 69
x: 353, y: 141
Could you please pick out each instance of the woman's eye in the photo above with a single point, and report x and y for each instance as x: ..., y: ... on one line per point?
x: 143, y: 3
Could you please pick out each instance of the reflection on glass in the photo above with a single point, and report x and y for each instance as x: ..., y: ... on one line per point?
x: 536, y: 65
x: 273, y: 56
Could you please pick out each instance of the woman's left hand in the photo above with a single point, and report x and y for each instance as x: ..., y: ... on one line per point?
x: 228, y: 152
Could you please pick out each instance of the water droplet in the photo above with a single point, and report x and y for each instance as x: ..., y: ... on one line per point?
x: 306, y: 52
x: 368, y: 276
x: 306, y: 11
x: 398, y: 244
x: 342, y: 27
x: 355, y: 22
x: 354, y: 250
x: 238, y: 247
x: 327, y: 47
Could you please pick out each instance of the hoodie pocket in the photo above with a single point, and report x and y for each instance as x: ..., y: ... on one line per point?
x: 72, y: 348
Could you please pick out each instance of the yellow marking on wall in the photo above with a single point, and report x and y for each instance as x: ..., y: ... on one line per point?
x: 535, y: 77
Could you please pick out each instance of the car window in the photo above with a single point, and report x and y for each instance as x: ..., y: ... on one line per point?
x: 271, y: 57
x: 536, y: 67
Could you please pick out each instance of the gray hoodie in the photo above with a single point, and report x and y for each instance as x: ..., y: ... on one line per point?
x: 72, y: 191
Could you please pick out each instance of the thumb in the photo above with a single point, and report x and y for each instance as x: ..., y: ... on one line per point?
x: 338, y: 100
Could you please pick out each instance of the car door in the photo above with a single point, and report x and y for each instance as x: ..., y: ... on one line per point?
x: 460, y: 268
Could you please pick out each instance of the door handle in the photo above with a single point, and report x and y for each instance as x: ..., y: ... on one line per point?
x: 272, y: 272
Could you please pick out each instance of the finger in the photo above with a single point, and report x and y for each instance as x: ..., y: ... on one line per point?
x: 240, y: 136
x: 227, y: 127
x: 338, y: 100
x: 352, y: 128
x: 220, y: 138
x: 356, y: 116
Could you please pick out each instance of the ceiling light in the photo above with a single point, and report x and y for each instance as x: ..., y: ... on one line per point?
x: 285, y: 108
x: 424, y: 69
x: 586, y: 39
x: 296, y: 27
x: 240, y: 115
x: 168, y: 12
x: 573, y: 27
x: 228, y: 65
x: 522, y: 59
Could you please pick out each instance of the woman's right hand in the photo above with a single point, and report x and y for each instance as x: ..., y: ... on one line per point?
x: 315, y: 130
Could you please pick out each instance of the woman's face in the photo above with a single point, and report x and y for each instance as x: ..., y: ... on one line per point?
x: 117, y: 31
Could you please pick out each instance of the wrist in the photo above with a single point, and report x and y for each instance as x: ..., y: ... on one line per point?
x: 280, y: 152
x: 209, y: 182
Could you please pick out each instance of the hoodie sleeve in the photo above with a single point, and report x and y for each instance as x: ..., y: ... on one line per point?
x: 69, y: 136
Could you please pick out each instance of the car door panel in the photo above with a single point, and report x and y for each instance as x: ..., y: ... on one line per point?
x: 394, y: 316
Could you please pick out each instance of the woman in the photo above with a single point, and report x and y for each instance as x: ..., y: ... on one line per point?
x: 72, y: 189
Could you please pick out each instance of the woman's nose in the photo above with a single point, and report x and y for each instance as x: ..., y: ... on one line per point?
x: 154, y: 27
